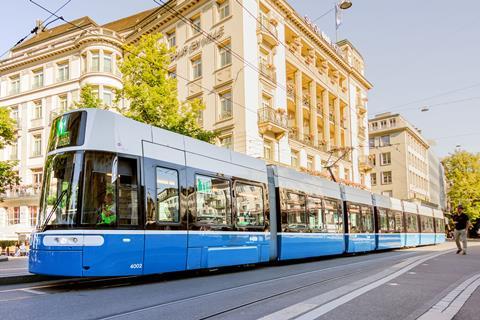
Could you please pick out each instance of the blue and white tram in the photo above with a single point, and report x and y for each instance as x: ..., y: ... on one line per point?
x: 360, y: 222
x: 389, y: 222
x: 311, y: 218
x: 412, y: 226
x: 427, y: 225
x: 439, y: 226
x: 125, y: 198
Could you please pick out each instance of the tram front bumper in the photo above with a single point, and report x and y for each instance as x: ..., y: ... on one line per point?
x: 55, y: 262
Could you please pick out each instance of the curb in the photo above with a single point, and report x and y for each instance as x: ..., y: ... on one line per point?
x: 3, y: 258
x: 27, y: 278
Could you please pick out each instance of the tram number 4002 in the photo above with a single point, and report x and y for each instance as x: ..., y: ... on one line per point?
x: 136, y: 266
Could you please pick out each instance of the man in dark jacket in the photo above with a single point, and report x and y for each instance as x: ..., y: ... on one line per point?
x: 461, y: 225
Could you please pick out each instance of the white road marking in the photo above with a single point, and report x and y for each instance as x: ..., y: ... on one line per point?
x: 449, y: 306
x: 323, y: 303
x: 34, y: 291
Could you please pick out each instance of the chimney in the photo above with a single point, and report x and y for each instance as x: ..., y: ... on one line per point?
x: 38, y: 26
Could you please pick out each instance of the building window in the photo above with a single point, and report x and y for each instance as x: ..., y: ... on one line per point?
x: 14, y: 151
x: 383, y: 124
x: 267, y: 150
x: 37, y: 176
x: 37, y: 110
x: 393, y: 122
x: 386, y: 158
x: 294, y: 159
x: 107, y: 62
x: 37, y: 79
x: 387, y: 177
x: 107, y: 96
x: 225, y: 55
x: 62, y: 103
x: 37, y: 145
x: 310, y: 163
x: 384, y: 141
x: 227, y: 142
x: 196, y: 25
x: 196, y: 68
x: 226, y: 105
x: 14, y: 216
x: 172, y: 39
x: 95, y: 62
x: 15, y: 115
x: 63, y: 72
x: 371, y: 142
x: 15, y: 84
x: 33, y: 215
x: 224, y: 10
x: 373, y: 179
x: 374, y: 125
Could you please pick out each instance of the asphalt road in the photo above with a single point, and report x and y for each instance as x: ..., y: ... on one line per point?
x: 404, y: 284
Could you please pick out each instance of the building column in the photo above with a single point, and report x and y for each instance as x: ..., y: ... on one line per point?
x: 326, y: 118
x: 338, y: 131
x: 313, y: 113
x: 299, y: 103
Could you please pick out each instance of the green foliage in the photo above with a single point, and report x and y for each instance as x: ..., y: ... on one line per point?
x: 88, y: 98
x: 152, y: 93
x: 7, y: 128
x: 7, y: 243
x: 8, y: 177
x: 462, y: 170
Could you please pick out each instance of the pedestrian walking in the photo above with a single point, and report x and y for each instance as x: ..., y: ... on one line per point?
x: 462, y: 223
x: 23, y: 250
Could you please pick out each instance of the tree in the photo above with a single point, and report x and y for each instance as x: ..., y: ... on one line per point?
x: 8, y: 177
x: 152, y: 93
x: 88, y: 99
x: 462, y: 170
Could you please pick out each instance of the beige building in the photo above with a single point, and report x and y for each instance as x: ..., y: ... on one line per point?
x: 404, y: 166
x: 274, y: 85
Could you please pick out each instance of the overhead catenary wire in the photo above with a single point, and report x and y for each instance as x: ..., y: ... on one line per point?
x: 35, y: 29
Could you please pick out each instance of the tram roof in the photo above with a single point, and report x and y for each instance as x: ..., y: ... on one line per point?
x: 294, y: 180
x: 352, y: 194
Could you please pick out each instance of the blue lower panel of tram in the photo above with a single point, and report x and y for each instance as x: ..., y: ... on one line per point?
x: 306, y: 245
x: 389, y: 241
x: 360, y: 242
x: 439, y: 238
x: 412, y: 239
x: 427, y: 238
x: 209, y: 249
x: 55, y: 263
x: 165, y: 251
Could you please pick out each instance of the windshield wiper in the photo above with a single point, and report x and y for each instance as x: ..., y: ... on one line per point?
x: 53, y: 210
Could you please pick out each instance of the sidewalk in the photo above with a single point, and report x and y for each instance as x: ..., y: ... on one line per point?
x: 15, y: 270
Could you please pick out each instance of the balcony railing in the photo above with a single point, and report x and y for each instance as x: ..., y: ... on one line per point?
x: 268, y: 30
x: 291, y: 90
x: 306, y: 100
x: 23, y: 191
x: 274, y: 121
x: 268, y: 71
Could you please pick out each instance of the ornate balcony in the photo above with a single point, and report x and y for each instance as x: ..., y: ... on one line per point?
x: 271, y: 120
x: 306, y: 100
x: 365, y: 163
x: 268, y: 71
x: 291, y: 90
x: 267, y: 31
x: 194, y: 87
x: 22, y: 192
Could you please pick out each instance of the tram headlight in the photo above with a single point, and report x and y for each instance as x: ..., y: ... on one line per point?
x: 66, y: 240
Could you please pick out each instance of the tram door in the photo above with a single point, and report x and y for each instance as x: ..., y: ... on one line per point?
x: 117, y: 248
x: 165, y: 229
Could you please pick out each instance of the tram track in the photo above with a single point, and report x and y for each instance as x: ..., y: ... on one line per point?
x: 271, y: 296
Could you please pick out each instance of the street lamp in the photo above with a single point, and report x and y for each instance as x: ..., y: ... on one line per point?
x: 345, y: 4
x: 338, y: 7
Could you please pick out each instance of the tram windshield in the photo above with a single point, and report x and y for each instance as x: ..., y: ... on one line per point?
x: 59, y: 198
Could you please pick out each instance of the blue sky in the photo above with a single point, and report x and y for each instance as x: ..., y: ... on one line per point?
x: 413, y: 50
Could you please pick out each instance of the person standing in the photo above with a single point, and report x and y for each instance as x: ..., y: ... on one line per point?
x: 462, y: 222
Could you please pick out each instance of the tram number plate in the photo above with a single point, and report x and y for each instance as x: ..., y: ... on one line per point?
x: 136, y: 266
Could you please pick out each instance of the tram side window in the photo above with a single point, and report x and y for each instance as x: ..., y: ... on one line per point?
x: 391, y: 221
x: 382, y: 216
x: 367, y: 219
x: 250, y: 207
x: 398, y: 221
x: 426, y: 224
x: 354, y: 217
x: 167, y: 195
x: 315, y: 215
x: 440, y: 225
x: 293, y: 212
x: 333, y: 216
x: 412, y: 222
x: 99, y: 198
x: 127, y: 192
x: 213, y: 201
